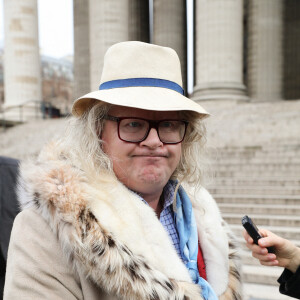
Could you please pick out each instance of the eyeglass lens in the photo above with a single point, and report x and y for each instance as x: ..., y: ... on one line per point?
x: 135, y: 130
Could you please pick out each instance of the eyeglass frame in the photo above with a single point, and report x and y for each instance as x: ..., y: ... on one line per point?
x: 152, y: 124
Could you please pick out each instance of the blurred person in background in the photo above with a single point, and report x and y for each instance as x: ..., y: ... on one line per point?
x: 9, y: 169
x: 115, y: 209
x: 287, y: 255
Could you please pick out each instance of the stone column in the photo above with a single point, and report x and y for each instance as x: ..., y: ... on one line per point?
x: 219, y: 50
x: 291, y: 46
x: 139, y: 20
x: 169, y: 29
x: 22, y: 71
x: 265, y: 51
x: 108, y: 25
x: 81, y: 47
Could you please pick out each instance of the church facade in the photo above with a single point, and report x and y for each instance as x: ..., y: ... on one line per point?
x: 242, y: 50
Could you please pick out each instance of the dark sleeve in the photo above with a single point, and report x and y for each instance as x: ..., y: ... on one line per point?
x: 290, y: 283
x: 9, y: 169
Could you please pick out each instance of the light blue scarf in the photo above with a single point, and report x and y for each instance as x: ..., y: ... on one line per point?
x: 188, y: 237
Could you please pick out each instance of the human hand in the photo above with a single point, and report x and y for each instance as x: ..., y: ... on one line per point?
x: 286, y: 254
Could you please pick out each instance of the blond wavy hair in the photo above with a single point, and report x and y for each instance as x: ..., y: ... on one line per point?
x: 83, y: 137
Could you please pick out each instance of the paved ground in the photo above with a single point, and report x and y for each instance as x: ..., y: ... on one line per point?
x: 25, y: 140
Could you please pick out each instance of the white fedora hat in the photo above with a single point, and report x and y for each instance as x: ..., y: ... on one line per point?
x: 140, y: 75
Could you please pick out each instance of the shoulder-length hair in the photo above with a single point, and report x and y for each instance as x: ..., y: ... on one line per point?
x: 83, y: 138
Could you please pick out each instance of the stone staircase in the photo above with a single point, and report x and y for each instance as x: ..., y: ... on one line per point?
x: 264, y: 183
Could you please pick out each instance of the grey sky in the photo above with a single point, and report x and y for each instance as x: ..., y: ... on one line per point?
x: 55, y: 27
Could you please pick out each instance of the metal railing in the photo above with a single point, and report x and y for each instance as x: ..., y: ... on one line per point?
x: 42, y: 110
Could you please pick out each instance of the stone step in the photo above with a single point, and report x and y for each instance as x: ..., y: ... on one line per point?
x: 8, y: 123
x: 265, y: 220
x: 229, y: 173
x: 261, y: 274
x: 275, y: 150
x: 264, y: 190
x: 234, y: 160
x: 254, y: 291
x: 290, y: 233
x: 266, y: 147
x: 249, y: 209
x: 284, y: 155
x: 258, y: 181
x: 247, y: 166
x: 248, y: 259
x: 261, y: 170
x: 258, y: 199
x: 284, y: 160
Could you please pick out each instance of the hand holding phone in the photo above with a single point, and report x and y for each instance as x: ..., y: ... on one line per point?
x: 253, y: 231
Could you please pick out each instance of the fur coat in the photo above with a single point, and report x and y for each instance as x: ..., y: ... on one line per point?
x: 116, y: 241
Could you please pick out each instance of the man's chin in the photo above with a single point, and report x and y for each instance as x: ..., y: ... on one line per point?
x: 148, y: 184
x: 150, y: 177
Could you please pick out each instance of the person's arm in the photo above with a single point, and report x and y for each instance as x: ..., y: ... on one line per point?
x: 286, y: 255
x: 36, y: 266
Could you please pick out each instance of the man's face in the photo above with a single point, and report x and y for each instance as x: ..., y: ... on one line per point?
x: 144, y: 167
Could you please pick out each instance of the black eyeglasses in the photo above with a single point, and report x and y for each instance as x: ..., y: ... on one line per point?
x: 135, y: 130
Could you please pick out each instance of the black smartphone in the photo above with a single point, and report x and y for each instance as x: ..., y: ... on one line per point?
x: 253, y: 231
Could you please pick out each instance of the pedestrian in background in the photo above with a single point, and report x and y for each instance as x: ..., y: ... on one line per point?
x: 9, y: 169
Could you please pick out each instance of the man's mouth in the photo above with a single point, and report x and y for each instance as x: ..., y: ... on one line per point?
x: 154, y: 155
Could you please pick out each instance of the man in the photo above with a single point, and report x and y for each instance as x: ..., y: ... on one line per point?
x: 105, y: 212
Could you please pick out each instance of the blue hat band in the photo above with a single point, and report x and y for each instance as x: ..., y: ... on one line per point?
x: 145, y: 82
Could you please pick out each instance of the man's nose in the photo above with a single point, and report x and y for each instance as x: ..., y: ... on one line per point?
x: 152, y: 140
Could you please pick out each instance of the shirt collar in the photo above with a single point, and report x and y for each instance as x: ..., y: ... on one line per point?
x: 169, y: 191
